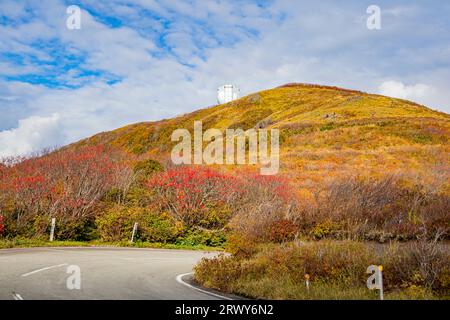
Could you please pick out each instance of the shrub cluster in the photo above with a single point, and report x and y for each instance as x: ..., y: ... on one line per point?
x: 96, y: 192
x: 67, y: 185
x: 116, y: 224
x: 337, y: 270
x: 196, y: 196
x: 380, y: 209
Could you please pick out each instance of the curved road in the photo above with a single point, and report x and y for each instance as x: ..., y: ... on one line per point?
x: 105, y: 273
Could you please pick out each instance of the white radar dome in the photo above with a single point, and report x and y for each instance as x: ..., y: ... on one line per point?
x: 227, y: 93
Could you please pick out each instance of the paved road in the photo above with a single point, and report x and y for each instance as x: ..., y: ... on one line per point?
x: 106, y: 273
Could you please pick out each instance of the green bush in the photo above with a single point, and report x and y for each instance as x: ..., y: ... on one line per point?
x: 145, y: 168
x: 138, y: 196
x: 158, y: 228
x: 38, y: 227
x: 117, y: 224
x: 114, y: 195
x: 75, y: 229
x: 15, y: 225
x: 209, y: 238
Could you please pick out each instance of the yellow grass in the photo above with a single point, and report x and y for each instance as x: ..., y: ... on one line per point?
x: 324, y: 132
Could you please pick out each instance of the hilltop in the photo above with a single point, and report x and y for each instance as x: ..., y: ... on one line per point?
x: 324, y: 132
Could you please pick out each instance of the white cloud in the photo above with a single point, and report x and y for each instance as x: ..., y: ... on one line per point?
x: 299, y: 47
x: 397, y: 89
x: 32, y: 134
x: 12, y: 9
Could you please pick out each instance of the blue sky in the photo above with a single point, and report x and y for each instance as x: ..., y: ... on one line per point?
x: 141, y: 60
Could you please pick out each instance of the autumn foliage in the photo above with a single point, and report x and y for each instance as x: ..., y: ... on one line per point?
x: 2, y: 226
x: 247, y: 204
x: 193, y: 194
x: 337, y: 270
x: 66, y: 184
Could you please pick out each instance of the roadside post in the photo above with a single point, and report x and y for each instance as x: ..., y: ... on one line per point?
x: 375, y: 280
x: 380, y: 268
x: 134, y: 231
x: 307, y: 277
x: 52, y: 230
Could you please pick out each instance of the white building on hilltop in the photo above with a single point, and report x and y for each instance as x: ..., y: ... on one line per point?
x: 227, y: 93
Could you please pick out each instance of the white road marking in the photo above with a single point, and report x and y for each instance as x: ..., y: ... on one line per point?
x: 17, y: 296
x: 42, y: 269
x: 180, y: 280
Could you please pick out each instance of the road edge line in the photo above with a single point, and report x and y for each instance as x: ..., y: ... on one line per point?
x: 17, y: 296
x: 179, y: 279
x: 43, y: 269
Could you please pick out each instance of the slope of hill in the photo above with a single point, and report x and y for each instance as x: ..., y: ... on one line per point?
x: 324, y: 132
x: 354, y: 167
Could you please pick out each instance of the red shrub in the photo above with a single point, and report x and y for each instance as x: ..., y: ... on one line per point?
x: 190, y: 193
x: 2, y: 226
x: 282, y: 231
x: 66, y: 184
x: 198, y: 196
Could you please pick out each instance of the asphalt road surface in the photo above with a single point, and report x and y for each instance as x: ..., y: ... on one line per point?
x: 104, y: 273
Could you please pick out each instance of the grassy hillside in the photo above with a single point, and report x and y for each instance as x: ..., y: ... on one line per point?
x: 325, y: 132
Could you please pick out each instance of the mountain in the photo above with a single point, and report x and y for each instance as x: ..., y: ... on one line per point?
x: 324, y: 132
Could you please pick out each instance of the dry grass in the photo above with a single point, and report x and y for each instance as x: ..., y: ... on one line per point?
x: 337, y: 270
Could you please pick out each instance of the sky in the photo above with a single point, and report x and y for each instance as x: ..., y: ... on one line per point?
x: 144, y: 60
